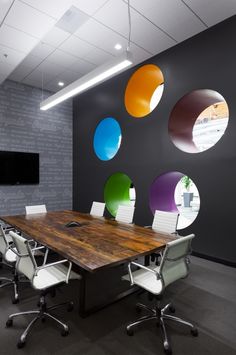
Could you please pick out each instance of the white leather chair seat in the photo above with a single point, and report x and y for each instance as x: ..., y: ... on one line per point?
x: 147, y: 280
x: 52, y: 276
x: 10, y: 256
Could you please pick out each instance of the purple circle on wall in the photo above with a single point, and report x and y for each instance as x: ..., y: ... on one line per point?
x: 162, y: 192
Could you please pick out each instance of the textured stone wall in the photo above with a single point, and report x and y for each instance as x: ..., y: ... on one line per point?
x: 24, y: 128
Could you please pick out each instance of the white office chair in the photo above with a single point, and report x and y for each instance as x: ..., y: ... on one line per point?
x: 97, y: 209
x: 43, y: 278
x: 9, y: 259
x: 164, y: 222
x: 35, y: 209
x: 154, y: 280
x: 125, y: 213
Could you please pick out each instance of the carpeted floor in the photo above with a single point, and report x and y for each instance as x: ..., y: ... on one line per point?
x: 207, y: 298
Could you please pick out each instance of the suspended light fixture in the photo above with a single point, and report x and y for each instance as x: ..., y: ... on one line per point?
x: 96, y: 76
x: 93, y: 78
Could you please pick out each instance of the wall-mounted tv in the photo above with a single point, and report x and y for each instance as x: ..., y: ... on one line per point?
x: 18, y: 168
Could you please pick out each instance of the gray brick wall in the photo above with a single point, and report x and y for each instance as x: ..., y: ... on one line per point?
x: 23, y: 127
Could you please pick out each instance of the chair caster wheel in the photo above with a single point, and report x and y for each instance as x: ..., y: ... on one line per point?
x: 20, y: 344
x: 64, y: 332
x: 70, y: 307
x: 15, y: 300
x: 138, y: 309
x: 43, y: 319
x: 9, y: 323
x: 130, y: 332
x: 172, y: 309
x: 167, y: 348
x: 194, y: 332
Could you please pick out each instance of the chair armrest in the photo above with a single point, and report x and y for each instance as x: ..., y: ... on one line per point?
x: 45, y: 254
x: 38, y: 248
x: 142, y: 267
x: 57, y: 263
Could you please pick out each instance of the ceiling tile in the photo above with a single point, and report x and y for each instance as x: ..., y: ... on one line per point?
x: 82, y: 67
x: 37, y: 77
x: 62, y: 58
x: 105, y: 38
x: 31, y: 61
x: 215, y: 11
x: 5, y: 68
x: 149, y: 37
x: 20, y: 72
x: 13, y: 57
x: 52, y: 86
x: 5, y: 6
x: 54, y: 8
x: 68, y: 76
x: 49, y: 68
x: 139, y: 54
x: 97, y: 56
x: 89, y: 6
x: 55, y: 37
x: 172, y: 16
x: 42, y: 50
x: 143, y: 32
x: 112, y: 13
x: 12, y: 38
x: 76, y: 46
x: 27, y: 19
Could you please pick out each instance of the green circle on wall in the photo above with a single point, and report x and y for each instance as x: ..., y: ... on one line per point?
x: 117, y: 192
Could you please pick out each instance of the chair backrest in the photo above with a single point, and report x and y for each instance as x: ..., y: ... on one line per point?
x: 25, y: 262
x: 165, y: 222
x: 3, y: 241
x: 125, y: 213
x: 35, y: 209
x: 97, y: 209
x: 174, y: 261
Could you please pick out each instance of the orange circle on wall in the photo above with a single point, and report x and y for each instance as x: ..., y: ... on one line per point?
x: 144, y: 90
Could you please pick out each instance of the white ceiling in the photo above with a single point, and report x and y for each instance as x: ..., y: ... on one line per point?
x: 33, y: 50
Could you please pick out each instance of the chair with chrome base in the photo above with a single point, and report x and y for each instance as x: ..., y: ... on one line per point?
x: 43, y: 278
x: 9, y: 260
x: 125, y: 214
x: 154, y: 280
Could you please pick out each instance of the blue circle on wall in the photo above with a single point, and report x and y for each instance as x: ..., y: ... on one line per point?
x: 107, y: 139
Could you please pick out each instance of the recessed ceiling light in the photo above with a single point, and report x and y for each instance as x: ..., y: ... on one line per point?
x: 60, y: 83
x: 118, y: 46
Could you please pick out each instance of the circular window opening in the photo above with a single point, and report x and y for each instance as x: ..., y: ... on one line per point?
x: 198, y: 121
x: 144, y: 90
x: 175, y: 192
x: 119, y: 190
x: 107, y: 139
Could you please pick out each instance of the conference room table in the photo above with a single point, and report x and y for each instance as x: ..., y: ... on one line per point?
x: 95, y: 244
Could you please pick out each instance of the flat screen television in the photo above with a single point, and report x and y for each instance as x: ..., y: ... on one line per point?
x: 18, y: 168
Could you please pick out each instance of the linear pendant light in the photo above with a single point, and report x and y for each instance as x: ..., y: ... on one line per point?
x: 96, y: 76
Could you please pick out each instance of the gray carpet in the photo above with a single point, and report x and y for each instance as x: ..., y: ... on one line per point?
x: 207, y: 298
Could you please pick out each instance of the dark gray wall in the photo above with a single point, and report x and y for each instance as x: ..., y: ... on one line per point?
x: 23, y: 127
x: 205, y: 61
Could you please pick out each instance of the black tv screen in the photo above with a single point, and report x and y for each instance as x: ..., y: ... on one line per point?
x: 19, y: 168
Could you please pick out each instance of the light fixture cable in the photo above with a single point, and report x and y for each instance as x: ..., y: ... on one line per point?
x: 129, y: 19
x: 42, y: 86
